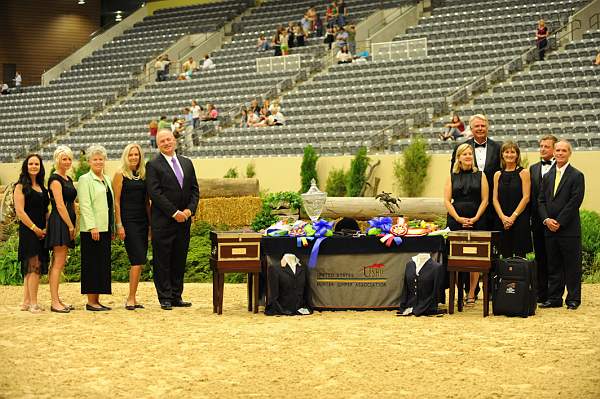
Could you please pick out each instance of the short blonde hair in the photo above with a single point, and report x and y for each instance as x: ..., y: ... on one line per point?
x: 125, y: 170
x: 59, y: 152
x: 478, y: 116
x: 456, y: 168
x: 96, y: 149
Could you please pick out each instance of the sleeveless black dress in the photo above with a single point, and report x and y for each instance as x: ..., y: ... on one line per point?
x: 135, y: 219
x: 58, y: 231
x: 33, y: 255
x: 466, y: 198
x: 517, y: 239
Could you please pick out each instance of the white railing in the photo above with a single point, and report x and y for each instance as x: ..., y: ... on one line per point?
x: 399, y: 50
x: 278, y: 64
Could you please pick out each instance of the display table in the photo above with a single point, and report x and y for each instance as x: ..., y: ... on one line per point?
x: 353, y: 272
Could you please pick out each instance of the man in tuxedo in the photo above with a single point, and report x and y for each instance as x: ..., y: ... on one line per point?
x: 538, y: 171
x: 487, y: 155
x: 560, y: 197
x: 173, y: 190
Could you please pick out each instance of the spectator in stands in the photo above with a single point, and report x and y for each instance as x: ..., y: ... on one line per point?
x: 306, y: 24
x: 318, y: 25
x: 541, y: 39
x: 31, y: 207
x: 343, y: 56
x: 276, y: 43
x: 331, y: 14
x: 166, y: 66
x: 455, y: 129
x: 208, y: 63
x: 244, y: 117
x: 189, y: 65
x: 162, y: 68
x: 341, y: 37
x: 96, y: 209
x: 153, y: 129
x: 351, y: 29
x: 254, y: 107
x: 212, y: 114
x: 255, y: 121
x: 291, y: 35
x: 342, y: 9
x: 311, y: 14
x: 196, y: 109
x: 60, y: 234
x: 132, y: 209
x: 466, y: 196
x: 284, y: 42
x: 597, y: 61
x: 4, y: 88
x: 299, y: 35
x: 163, y: 123
x: 262, y: 44
x: 276, y: 118
x: 177, y: 127
x: 512, y: 186
x: 329, y: 37
x: 188, y: 117
x: 18, y: 81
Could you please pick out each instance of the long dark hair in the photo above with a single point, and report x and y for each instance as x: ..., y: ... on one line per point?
x: 25, y: 179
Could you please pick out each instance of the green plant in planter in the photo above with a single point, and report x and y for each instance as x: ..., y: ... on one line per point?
x: 82, y: 168
x: 308, y: 169
x: 10, y: 267
x: 232, y: 173
x: 411, y: 170
x: 283, y: 199
x: 357, y: 176
x: 250, y: 170
x: 590, y: 245
x: 336, y: 183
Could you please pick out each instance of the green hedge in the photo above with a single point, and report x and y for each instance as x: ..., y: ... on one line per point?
x: 197, y: 267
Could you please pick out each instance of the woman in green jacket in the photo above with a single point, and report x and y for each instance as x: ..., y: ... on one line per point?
x: 96, y: 210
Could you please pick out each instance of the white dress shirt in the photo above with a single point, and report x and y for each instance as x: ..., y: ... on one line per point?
x: 546, y: 168
x: 480, y: 155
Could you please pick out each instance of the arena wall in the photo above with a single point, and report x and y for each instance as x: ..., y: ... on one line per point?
x: 282, y: 173
x: 154, y: 5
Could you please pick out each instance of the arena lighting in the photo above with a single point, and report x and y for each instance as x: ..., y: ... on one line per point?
x: 118, y: 17
x: 81, y: 2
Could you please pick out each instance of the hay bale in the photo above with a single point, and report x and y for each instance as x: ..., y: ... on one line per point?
x: 233, y: 212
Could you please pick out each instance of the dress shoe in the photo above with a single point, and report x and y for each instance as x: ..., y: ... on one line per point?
x: 572, y: 305
x: 181, y: 304
x: 166, y: 305
x: 129, y: 307
x: 139, y: 306
x: 104, y: 307
x: 550, y: 304
x: 95, y: 309
x: 65, y: 310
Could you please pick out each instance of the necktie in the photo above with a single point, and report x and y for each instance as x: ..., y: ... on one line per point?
x: 557, y: 180
x: 477, y: 145
x: 549, y: 162
x: 178, y: 171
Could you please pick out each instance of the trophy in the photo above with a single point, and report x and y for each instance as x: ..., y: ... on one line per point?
x: 314, y: 201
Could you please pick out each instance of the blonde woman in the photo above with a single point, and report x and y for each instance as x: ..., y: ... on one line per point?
x: 96, y: 229
x: 466, y: 197
x: 61, y: 222
x: 131, y: 214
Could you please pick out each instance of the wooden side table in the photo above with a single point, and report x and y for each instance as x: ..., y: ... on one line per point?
x: 471, y: 251
x: 235, y: 252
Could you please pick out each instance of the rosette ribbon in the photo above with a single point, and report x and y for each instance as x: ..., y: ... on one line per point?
x: 379, y: 226
x: 323, y: 229
x: 390, y: 238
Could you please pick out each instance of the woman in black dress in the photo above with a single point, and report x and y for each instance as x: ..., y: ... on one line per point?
x: 512, y: 185
x: 131, y: 214
x: 31, y: 206
x: 61, y: 223
x: 96, y: 229
x: 466, y: 198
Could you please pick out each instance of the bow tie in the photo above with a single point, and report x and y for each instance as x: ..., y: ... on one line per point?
x: 477, y: 145
x: 546, y: 162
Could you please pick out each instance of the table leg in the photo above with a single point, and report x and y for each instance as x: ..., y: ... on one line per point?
x: 452, y: 280
x: 249, y: 284
x: 215, y: 285
x: 221, y: 287
x: 486, y: 295
x: 461, y: 292
x: 255, y: 278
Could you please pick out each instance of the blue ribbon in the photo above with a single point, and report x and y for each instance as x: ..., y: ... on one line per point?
x: 322, y: 227
x: 300, y: 240
x: 383, y: 223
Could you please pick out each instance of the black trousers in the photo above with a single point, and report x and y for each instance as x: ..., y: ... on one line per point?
x: 564, y: 268
x: 169, y: 251
x: 541, y: 259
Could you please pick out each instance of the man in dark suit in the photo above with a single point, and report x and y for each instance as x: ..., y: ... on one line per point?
x: 537, y: 171
x: 560, y: 197
x: 486, y: 153
x: 173, y: 189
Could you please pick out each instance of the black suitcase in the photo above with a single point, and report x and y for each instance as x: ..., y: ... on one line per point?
x: 515, y: 287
